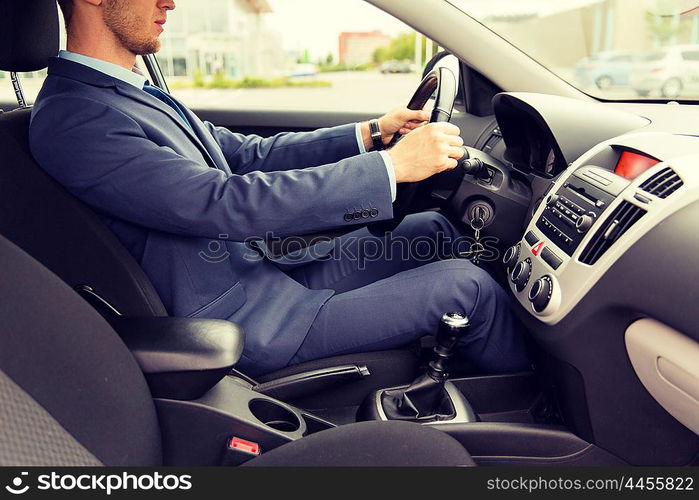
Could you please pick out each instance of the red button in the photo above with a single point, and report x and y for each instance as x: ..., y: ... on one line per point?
x: 244, y: 446
x: 538, y: 248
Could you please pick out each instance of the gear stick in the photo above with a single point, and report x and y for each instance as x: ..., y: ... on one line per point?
x: 425, y: 398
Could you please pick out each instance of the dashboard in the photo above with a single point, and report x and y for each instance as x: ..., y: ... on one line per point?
x: 596, y: 210
x: 598, y: 205
x: 599, y: 177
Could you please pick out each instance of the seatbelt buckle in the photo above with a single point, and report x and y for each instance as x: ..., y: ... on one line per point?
x: 238, y: 451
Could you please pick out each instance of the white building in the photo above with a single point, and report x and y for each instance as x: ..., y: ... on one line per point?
x: 220, y: 35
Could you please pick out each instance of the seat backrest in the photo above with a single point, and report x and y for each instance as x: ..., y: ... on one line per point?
x: 36, y: 212
x: 72, y: 393
x: 61, y: 232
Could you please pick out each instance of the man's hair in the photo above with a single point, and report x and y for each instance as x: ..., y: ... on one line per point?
x: 67, y: 9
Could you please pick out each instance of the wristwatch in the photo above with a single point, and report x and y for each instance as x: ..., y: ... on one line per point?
x: 376, y: 138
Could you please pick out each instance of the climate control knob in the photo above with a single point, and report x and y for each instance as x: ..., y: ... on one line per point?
x: 511, y: 256
x: 552, y: 200
x: 540, y: 293
x: 521, y: 274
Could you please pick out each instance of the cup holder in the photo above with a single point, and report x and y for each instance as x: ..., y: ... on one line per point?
x: 274, y: 416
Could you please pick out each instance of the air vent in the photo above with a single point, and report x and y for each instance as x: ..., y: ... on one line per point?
x: 621, y: 220
x: 663, y: 184
x: 493, y: 140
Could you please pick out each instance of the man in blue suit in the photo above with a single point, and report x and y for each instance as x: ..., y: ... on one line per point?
x: 170, y: 185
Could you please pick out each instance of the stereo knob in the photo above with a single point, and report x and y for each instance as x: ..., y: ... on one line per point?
x: 584, y: 223
x: 540, y: 293
x: 511, y: 256
x: 552, y: 200
x: 521, y: 274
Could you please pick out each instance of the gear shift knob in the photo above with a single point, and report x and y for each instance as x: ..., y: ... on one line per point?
x: 452, y: 327
x: 426, y: 397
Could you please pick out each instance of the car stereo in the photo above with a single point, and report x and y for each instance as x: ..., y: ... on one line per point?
x: 574, y: 208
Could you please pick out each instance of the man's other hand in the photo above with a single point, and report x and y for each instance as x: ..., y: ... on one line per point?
x: 426, y: 151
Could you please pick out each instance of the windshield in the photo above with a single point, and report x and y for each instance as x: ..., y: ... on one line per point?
x: 611, y: 49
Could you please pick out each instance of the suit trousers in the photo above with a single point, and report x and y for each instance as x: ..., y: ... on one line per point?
x: 392, y: 290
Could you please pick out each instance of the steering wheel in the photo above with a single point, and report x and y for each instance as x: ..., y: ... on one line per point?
x: 441, y: 82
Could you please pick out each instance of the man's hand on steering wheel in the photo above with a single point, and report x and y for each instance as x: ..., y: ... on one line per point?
x: 426, y: 151
x: 401, y: 121
x: 398, y: 121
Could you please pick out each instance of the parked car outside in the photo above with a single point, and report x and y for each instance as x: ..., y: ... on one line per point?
x: 397, y: 67
x: 669, y: 71
x: 606, y: 69
x: 304, y: 69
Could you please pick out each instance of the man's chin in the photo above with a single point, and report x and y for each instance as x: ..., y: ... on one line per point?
x: 148, y: 48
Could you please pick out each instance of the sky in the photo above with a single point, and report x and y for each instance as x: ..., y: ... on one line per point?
x: 316, y: 24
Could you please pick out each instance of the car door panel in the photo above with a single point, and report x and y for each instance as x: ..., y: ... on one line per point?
x: 270, y: 122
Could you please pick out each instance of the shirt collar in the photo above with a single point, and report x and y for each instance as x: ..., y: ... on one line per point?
x: 105, y: 67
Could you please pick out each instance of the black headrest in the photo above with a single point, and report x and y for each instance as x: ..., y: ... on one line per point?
x: 29, y: 34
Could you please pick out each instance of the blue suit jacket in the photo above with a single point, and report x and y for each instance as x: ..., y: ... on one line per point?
x: 183, y: 200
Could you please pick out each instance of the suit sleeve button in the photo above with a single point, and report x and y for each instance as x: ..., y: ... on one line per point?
x: 357, y: 215
x: 348, y: 217
x: 365, y: 214
x: 374, y: 212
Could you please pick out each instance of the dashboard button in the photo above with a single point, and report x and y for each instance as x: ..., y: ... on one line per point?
x: 540, y: 293
x: 552, y: 200
x: 551, y: 258
x: 536, y: 250
x: 521, y: 274
x: 511, y: 256
x: 531, y: 238
x: 584, y: 223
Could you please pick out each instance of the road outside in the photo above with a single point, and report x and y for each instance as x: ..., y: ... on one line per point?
x: 365, y: 91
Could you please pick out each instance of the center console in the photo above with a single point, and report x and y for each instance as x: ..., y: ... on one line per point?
x: 594, y: 212
x: 212, y: 415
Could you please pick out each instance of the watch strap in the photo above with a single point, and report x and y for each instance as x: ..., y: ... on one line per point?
x: 376, y: 137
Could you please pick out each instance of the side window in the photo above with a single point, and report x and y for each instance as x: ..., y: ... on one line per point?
x: 30, y: 82
x: 335, y: 55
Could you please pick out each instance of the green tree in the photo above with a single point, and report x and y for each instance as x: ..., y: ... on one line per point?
x: 667, y: 28
x: 403, y: 47
x: 198, y: 77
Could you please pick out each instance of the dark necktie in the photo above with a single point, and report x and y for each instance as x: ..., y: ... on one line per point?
x: 156, y: 92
